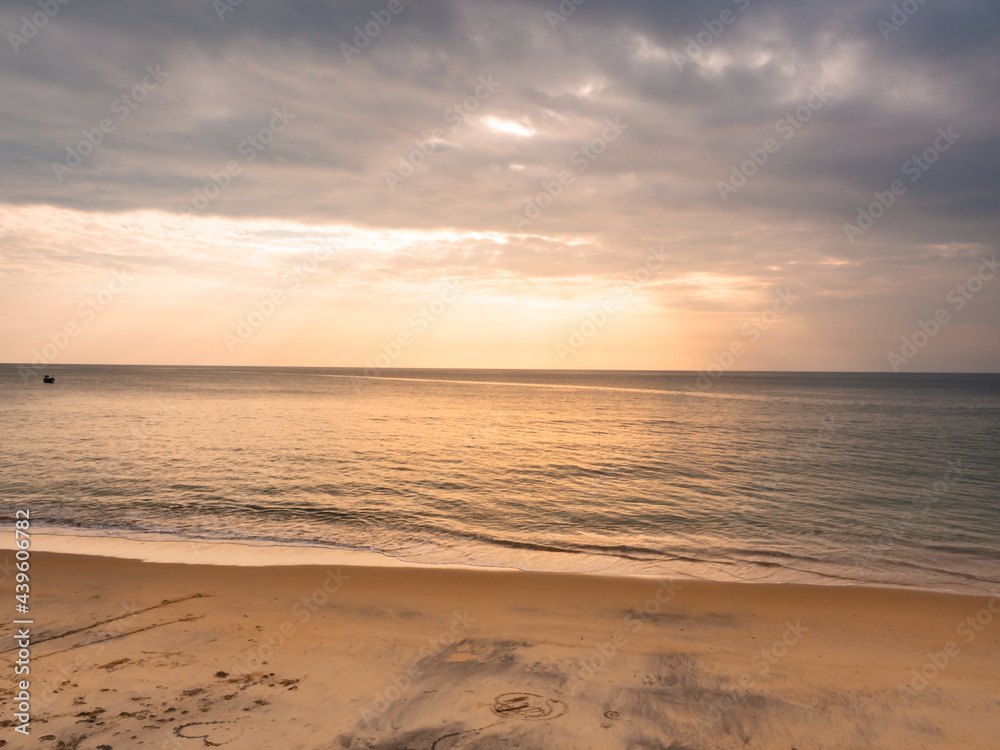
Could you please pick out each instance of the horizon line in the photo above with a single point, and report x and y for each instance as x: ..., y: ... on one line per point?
x: 500, y: 369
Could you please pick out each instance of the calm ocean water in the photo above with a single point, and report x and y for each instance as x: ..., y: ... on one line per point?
x: 830, y: 478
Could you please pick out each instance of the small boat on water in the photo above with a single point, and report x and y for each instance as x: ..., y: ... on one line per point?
x: 49, y: 379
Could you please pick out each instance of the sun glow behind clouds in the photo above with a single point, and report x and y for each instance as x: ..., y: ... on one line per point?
x: 341, y: 291
x: 148, y: 234
x: 508, y: 126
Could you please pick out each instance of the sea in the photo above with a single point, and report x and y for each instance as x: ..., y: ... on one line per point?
x: 823, y: 478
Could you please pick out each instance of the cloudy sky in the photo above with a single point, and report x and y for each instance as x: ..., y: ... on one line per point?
x: 462, y: 183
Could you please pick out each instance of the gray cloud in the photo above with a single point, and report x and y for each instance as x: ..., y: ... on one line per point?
x: 686, y: 126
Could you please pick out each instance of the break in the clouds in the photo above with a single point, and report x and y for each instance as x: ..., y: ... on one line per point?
x: 627, y: 184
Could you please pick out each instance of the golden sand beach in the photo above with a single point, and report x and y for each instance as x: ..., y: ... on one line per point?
x: 127, y: 653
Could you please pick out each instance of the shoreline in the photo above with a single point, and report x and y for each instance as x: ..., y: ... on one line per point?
x: 164, y: 548
x: 127, y: 653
